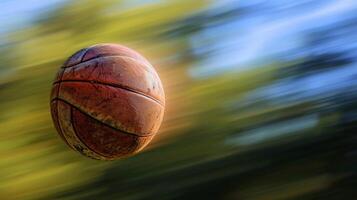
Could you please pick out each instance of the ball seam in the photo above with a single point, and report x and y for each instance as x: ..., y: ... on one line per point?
x: 81, y: 141
x: 115, y: 128
x: 113, y: 55
x: 57, y: 110
x: 119, y: 86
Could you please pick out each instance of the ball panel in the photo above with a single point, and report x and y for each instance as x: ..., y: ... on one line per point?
x: 54, y: 91
x: 65, y: 123
x: 54, y: 114
x: 122, y: 71
x: 75, y: 58
x: 101, y: 50
x: 104, y: 139
x: 59, y: 75
x: 107, y: 101
x: 54, y: 109
x: 116, y: 107
x: 142, y: 142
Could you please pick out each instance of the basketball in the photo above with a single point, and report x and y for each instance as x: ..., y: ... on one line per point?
x: 107, y: 102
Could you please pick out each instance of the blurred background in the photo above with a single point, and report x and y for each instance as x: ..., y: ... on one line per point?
x: 261, y: 99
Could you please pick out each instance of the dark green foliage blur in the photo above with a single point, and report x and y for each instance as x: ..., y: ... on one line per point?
x: 282, y: 127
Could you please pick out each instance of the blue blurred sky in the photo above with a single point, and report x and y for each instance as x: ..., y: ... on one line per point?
x: 266, y: 31
x: 17, y: 13
x: 269, y: 30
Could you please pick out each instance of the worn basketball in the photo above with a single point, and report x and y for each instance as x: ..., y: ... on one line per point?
x: 107, y: 102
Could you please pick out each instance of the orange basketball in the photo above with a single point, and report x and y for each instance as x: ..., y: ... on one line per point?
x: 107, y: 102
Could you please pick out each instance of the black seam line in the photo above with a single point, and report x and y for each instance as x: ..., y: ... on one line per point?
x: 115, y: 86
x: 84, y: 54
x: 60, y: 132
x: 57, y: 117
x: 80, y: 60
x: 98, y: 56
x: 112, y: 55
x: 75, y: 132
x: 110, y: 126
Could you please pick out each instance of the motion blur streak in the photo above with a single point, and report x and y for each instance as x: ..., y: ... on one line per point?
x: 261, y: 99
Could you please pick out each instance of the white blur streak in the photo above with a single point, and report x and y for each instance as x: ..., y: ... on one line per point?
x: 274, y: 132
x: 266, y: 39
x: 310, y: 88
